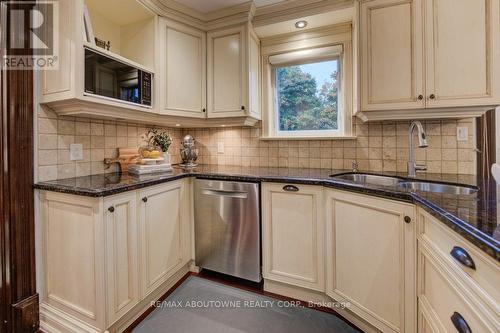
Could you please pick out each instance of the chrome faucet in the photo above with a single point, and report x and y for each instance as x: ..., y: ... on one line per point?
x: 413, y: 167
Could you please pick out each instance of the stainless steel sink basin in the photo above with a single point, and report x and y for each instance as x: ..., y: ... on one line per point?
x: 437, y: 188
x: 363, y: 178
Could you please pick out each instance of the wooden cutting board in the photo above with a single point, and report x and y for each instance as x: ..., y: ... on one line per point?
x: 127, y: 156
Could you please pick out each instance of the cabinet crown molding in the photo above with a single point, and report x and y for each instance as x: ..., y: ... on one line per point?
x: 205, y: 21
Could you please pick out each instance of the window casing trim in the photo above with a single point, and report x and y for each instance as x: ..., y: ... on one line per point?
x: 270, y: 114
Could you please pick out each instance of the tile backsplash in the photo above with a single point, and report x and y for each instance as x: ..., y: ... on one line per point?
x: 100, y: 139
x: 381, y: 146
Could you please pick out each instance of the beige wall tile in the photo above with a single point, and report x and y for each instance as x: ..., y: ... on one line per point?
x: 66, y: 127
x: 82, y: 169
x: 82, y: 128
x: 46, y: 173
x: 47, y: 141
x: 63, y: 141
x: 96, y: 129
x: 84, y: 140
x: 96, y: 141
x: 47, y: 157
x: 66, y: 170
x: 47, y: 126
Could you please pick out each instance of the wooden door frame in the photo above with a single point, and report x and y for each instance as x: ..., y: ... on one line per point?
x: 488, y: 148
x: 18, y: 297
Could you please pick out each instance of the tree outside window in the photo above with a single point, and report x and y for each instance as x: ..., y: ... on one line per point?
x: 307, y: 96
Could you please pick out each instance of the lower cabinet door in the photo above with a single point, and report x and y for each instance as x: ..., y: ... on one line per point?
x: 162, y: 230
x: 73, y: 283
x: 371, y: 258
x: 121, y: 254
x: 293, y: 233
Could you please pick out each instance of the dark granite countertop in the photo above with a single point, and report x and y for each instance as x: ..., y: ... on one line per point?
x: 472, y: 216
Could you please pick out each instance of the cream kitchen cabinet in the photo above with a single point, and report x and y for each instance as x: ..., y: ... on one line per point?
x: 182, y: 69
x: 370, y: 258
x: 457, y: 283
x: 440, y: 57
x: 106, y: 259
x: 293, y: 235
x: 121, y: 251
x: 392, y: 55
x: 164, y: 241
x: 233, y: 66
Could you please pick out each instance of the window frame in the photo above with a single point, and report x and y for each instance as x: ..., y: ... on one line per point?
x: 308, y: 133
x: 336, y: 35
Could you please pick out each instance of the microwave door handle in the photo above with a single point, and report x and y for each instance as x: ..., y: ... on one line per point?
x: 225, y: 193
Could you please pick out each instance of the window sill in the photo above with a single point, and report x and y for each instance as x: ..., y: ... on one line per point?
x: 291, y: 138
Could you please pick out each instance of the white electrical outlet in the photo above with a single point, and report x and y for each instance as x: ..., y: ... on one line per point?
x: 220, y: 147
x: 462, y: 133
x: 76, y: 152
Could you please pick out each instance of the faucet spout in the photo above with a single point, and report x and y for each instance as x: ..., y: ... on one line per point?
x: 422, y: 143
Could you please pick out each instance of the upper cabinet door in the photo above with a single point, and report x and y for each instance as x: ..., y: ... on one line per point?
x: 462, y: 38
x: 391, y: 55
x: 182, y: 64
x: 227, y: 72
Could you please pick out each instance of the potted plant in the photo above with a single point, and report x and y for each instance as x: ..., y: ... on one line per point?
x: 160, y: 139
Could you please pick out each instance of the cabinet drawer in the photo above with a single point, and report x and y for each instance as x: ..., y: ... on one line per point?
x: 483, y: 278
x: 445, y: 298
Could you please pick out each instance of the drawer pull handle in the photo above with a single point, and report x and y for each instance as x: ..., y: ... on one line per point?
x: 463, y: 257
x: 111, y: 209
x: 460, y: 323
x: 145, y: 199
x: 290, y: 188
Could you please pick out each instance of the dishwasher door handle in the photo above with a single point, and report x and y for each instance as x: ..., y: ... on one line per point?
x: 225, y: 193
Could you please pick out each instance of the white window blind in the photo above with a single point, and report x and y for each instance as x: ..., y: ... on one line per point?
x: 316, y: 54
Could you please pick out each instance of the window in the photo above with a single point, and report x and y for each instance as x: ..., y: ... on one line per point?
x: 307, y: 98
x: 308, y: 82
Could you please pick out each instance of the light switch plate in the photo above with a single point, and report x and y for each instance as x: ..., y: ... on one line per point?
x: 76, y: 152
x: 462, y: 133
x: 220, y: 147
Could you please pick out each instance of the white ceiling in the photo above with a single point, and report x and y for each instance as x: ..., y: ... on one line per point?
x: 206, y: 6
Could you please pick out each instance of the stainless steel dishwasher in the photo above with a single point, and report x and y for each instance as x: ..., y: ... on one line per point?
x: 227, y: 227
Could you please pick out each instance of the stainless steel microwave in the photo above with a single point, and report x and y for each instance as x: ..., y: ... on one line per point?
x: 111, y: 78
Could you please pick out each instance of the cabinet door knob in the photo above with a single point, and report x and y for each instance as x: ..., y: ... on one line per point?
x: 460, y: 323
x: 420, y: 97
x: 432, y: 96
x: 243, y: 107
x: 290, y: 188
x: 204, y: 110
x: 460, y: 255
x: 145, y: 199
x: 407, y: 219
x: 111, y: 209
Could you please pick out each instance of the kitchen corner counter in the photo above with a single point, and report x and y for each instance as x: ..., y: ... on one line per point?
x: 472, y: 216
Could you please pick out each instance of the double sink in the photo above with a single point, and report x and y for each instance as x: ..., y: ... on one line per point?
x: 412, y: 185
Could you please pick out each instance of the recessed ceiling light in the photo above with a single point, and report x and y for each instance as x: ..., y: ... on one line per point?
x: 300, y: 24
x: 177, y: 125
x: 222, y: 125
